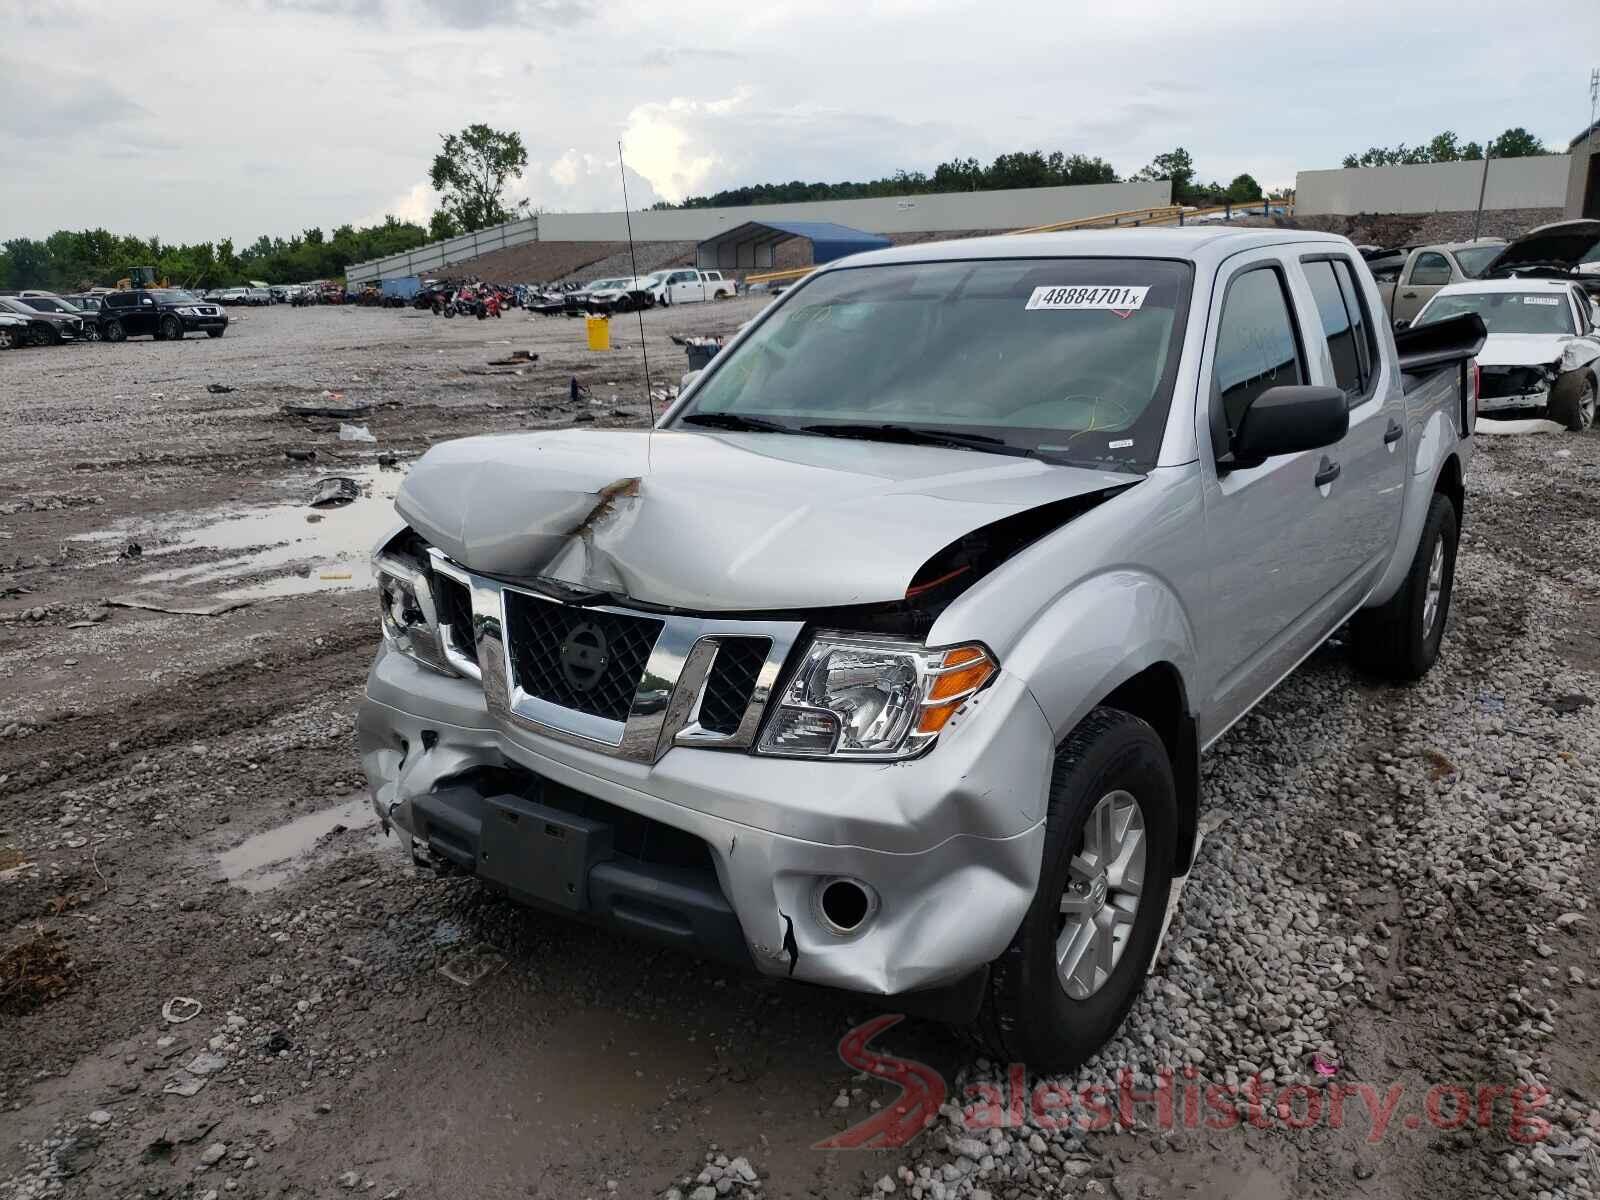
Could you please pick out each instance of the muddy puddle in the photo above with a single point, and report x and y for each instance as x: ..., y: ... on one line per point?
x: 267, y: 551
x: 275, y: 856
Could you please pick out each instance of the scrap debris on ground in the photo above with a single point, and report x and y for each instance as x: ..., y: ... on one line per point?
x: 1396, y: 890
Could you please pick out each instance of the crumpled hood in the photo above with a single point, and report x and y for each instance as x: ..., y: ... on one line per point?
x: 1537, y: 350
x: 1522, y: 349
x: 719, y: 522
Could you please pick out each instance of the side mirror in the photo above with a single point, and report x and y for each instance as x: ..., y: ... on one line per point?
x: 1286, y: 420
x: 1399, y: 325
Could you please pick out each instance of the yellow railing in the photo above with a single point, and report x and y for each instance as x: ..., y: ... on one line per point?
x: 1131, y: 216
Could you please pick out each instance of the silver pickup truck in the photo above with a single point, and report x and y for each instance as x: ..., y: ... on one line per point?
x: 885, y: 661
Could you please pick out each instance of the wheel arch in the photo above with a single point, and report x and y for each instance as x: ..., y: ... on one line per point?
x: 1157, y: 696
x: 1451, y: 483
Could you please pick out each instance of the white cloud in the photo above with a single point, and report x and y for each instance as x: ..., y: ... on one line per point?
x: 661, y: 142
x: 414, y: 204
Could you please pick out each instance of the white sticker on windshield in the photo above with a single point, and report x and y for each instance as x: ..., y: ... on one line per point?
x: 1124, y: 301
x: 1552, y: 301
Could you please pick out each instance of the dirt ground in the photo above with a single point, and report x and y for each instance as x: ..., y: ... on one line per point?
x: 183, y: 815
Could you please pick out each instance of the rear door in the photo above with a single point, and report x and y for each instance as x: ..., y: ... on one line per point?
x: 1364, y: 500
x: 1273, y: 573
x: 1428, y: 272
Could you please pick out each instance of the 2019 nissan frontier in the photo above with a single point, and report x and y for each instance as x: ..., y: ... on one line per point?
x: 885, y: 660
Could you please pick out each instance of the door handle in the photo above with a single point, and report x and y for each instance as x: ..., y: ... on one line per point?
x: 1327, y: 472
x: 1394, y: 433
x: 1408, y: 295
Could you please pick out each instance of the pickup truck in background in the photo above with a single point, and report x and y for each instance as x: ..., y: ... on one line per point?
x: 1408, y: 278
x: 686, y: 286
x: 886, y: 660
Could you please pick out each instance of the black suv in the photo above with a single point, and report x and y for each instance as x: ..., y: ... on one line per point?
x: 166, y: 314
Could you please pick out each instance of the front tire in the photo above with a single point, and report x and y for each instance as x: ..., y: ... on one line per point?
x: 1572, y: 401
x: 171, y: 329
x: 215, y: 333
x: 8, y: 338
x: 1400, y: 640
x: 1078, y: 961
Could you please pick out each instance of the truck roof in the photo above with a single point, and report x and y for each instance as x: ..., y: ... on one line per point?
x: 1195, y: 244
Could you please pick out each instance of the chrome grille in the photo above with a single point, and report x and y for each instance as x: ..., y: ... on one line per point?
x: 730, y: 683
x: 543, y: 637
x: 673, y: 680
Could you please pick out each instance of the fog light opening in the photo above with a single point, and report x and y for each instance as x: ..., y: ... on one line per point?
x: 844, y: 905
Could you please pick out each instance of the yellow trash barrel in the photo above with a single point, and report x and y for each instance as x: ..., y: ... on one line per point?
x: 599, y: 333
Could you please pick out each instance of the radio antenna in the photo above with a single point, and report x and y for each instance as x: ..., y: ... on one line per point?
x: 633, y: 261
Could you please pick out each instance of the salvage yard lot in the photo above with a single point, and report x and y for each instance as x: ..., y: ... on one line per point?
x: 1396, y: 891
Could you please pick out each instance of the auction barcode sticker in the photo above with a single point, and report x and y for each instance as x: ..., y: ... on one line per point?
x: 1552, y: 301
x: 1088, y: 297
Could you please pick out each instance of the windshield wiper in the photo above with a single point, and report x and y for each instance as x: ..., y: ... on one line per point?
x: 736, y: 423
x: 916, y: 436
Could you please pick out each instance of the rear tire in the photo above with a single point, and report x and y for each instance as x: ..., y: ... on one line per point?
x: 114, y: 332
x: 1572, y: 401
x: 1400, y: 640
x: 8, y: 338
x: 1030, y: 1014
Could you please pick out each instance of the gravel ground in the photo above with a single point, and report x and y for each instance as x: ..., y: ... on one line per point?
x: 1393, y: 900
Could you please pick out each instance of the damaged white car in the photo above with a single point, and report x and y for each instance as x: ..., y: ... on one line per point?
x: 1543, y: 350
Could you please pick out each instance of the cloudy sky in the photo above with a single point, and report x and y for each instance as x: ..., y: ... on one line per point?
x: 239, y: 117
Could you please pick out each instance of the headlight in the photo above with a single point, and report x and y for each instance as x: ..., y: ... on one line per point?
x: 410, y: 621
x: 856, y: 697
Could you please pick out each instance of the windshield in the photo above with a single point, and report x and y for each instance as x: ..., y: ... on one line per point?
x: 1506, y: 312
x: 18, y: 306
x: 605, y: 285
x: 1474, y: 259
x: 175, y: 296
x: 1070, y: 358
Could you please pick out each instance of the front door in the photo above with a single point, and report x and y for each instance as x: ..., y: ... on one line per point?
x: 1273, y: 571
x: 1429, y: 272
x: 686, y: 287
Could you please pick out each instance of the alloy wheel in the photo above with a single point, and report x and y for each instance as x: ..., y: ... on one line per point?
x: 1101, y: 903
x: 1430, y: 602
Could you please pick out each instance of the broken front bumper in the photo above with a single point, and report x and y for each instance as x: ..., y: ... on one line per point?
x: 1489, y: 404
x: 948, y: 846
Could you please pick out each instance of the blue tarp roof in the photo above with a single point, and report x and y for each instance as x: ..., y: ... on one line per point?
x: 750, y: 245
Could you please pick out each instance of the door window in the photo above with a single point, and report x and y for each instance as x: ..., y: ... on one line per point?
x: 1431, y: 270
x: 1257, y: 347
x: 1343, y: 324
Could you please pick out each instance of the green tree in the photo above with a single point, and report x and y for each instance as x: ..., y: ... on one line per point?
x: 1243, y: 188
x: 443, y: 225
x: 1177, y: 166
x: 1516, y: 142
x: 27, y: 263
x: 1444, y: 147
x: 471, y: 172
